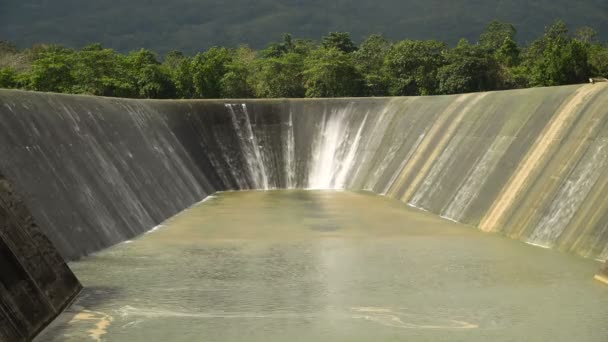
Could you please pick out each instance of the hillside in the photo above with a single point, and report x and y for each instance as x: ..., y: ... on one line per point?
x: 194, y: 25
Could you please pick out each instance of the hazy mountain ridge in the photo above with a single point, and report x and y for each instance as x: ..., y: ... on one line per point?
x: 191, y: 25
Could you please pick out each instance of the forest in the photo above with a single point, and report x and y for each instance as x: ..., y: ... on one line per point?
x: 335, y: 66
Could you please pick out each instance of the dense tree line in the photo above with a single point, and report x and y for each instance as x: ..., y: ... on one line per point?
x: 336, y: 66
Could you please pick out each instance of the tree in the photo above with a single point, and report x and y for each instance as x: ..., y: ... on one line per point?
x: 556, y: 58
x: 495, y: 35
x: 562, y: 63
x: 411, y: 67
x: 8, y: 78
x: 208, y: 69
x: 150, y: 79
x: 508, y: 54
x: 298, y: 68
x: 331, y: 73
x: 275, y: 50
x: 510, y: 74
x: 235, y: 82
x: 51, y: 71
x: 598, y: 59
x: 586, y: 34
x: 469, y: 69
x: 279, y: 77
x: 95, y: 72
x: 340, y: 41
x: 179, y: 68
x: 369, y: 59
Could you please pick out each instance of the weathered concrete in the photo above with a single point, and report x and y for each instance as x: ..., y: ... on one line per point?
x: 35, y: 282
x: 530, y: 164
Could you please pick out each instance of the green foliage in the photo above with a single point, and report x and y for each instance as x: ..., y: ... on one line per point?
x: 148, y: 79
x: 302, y: 68
x: 562, y: 62
x: 598, y: 59
x: 179, y: 68
x: 508, y: 54
x: 94, y: 72
x: 208, y: 69
x: 468, y: 69
x: 496, y: 34
x: 275, y: 50
x: 235, y: 82
x: 556, y: 58
x: 339, y: 41
x: 51, y: 71
x: 411, y: 67
x: 8, y: 78
x: 279, y: 77
x: 331, y: 73
x: 586, y: 34
x: 369, y: 59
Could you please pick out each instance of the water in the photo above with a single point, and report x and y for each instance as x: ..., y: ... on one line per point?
x: 571, y: 195
x: 335, y: 151
x: 329, y: 266
x: 249, y: 144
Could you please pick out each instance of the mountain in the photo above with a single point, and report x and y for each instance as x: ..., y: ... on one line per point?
x: 193, y: 25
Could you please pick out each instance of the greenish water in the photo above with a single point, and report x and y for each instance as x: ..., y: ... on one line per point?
x: 329, y: 266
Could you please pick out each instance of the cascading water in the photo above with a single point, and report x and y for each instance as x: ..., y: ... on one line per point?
x: 402, y: 165
x: 431, y: 184
x: 347, y: 164
x: 289, y: 152
x: 570, y: 197
x: 469, y: 190
x: 324, y: 154
x: 249, y: 144
x: 335, y: 150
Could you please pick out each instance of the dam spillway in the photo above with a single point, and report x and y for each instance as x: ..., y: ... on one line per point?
x: 528, y: 164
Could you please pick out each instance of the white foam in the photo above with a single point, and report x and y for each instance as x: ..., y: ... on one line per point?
x: 154, y: 229
x: 448, y: 218
x: 208, y: 198
x: 416, y: 207
x: 537, y: 244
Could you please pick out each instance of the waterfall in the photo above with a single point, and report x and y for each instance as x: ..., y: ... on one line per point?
x: 289, y: 153
x: 249, y: 145
x: 348, y: 162
x: 325, y: 153
x: 376, y: 139
x: 335, y: 150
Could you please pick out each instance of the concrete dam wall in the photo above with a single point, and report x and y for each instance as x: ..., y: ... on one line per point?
x: 529, y: 164
x: 35, y: 282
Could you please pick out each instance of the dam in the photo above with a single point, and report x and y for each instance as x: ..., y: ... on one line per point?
x: 81, y: 174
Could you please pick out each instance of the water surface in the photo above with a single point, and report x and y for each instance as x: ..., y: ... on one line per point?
x: 329, y: 266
